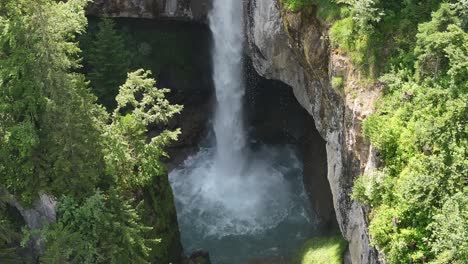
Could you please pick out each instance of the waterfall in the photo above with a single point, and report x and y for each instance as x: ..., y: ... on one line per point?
x: 228, y: 190
x: 227, y: 28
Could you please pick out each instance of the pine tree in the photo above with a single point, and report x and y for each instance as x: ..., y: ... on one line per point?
x: 105, y: 228
x: 108, y: 60
x: 54, y: 138
x: 47, y: 137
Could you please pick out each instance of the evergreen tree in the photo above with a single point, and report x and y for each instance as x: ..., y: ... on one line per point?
x: 47, y: 137
x: 105, y: 228
x: 108, y: 61
x: 55, y: 139
x: 106, y: 217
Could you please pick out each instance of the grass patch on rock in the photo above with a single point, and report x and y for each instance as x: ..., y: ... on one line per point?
x: 322, y: 250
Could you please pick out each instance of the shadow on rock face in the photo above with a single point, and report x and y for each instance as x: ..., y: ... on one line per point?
x: 276, y: 117
x: 198, y: 257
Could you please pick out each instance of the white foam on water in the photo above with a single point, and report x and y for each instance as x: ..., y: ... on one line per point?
x: 218, y: 204
x: 228, y: 189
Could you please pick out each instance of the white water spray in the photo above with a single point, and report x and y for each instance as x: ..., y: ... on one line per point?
x: 227, y: 189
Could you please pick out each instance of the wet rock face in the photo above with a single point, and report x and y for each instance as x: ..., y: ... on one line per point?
x: 275, y: 117
x: 293, y: 48
x: 40, y: 214
x: 195, y: 10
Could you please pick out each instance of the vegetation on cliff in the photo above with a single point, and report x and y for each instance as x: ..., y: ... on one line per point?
x: 55, y: 139
x: 419, y: 52
x: 322, y: 250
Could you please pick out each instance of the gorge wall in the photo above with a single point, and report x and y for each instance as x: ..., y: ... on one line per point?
x: 293, y: 48
x: 194, y: 10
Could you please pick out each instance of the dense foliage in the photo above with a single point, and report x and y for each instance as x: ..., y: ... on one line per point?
x: 295, y: 5
x: 420, y: 131
x: 418, y: 197
x: 55, y: 139
x: 101, y: 229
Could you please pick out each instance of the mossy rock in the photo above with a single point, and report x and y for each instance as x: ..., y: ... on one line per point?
x: 322, y: 250
x: 161, y: 214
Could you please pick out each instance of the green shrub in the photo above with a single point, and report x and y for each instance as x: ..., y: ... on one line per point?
x: 296, y: 5
x: 329, y: 11
x: 322, y: 250
x: 337, y: 82
x: 368, y: 188
x: 451, y: 229
x: 341, y: 33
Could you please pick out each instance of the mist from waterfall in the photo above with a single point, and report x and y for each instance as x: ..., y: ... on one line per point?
x: 228, y: 189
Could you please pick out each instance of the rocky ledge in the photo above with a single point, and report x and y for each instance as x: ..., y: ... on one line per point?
x: 193, y: 10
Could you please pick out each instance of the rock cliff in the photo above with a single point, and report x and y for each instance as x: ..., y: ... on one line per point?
x: 195, y: 10
x: 39, y: 214
x: 294, y: 48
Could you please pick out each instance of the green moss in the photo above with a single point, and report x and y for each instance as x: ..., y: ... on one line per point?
x: 322, y: 250
x: 161, y: 214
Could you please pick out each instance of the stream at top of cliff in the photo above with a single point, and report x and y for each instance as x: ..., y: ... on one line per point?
x: 236, y: 198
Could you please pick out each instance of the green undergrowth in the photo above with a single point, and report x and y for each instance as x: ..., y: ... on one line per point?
x: 296, y: 5
x: 418, y: 195
x: 337, y: 82
x: 376, y: 35
x: 327, y: 10
x: 322, y: 250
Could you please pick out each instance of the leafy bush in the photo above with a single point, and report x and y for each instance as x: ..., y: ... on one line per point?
x: 327, y: 10
x: 296, y: 5
x: 369, y: 188
x: 341, y: 33
x: 450, y: 230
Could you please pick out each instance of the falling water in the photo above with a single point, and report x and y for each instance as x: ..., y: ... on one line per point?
x: 226, y: 25
x: 227, y: 193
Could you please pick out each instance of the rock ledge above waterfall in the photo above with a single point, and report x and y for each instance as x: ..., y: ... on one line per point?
x: 192, y: 10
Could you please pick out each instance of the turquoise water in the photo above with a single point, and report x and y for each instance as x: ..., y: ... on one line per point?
x: 273, y: 219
